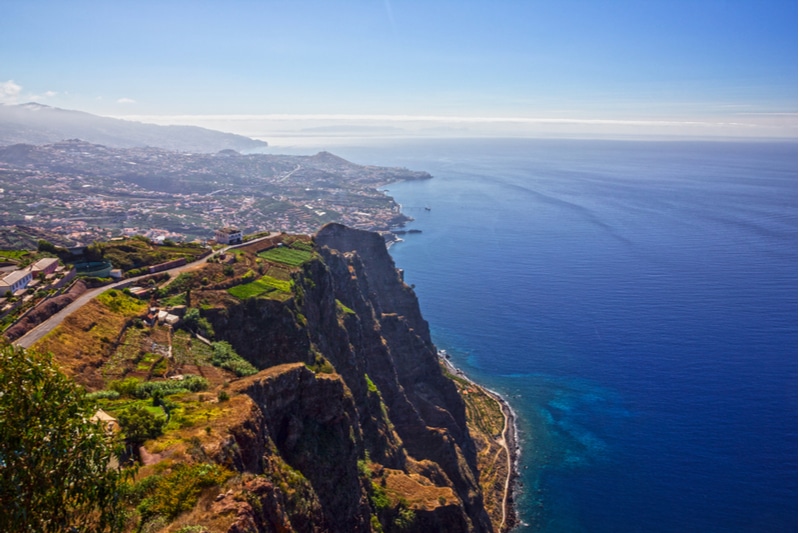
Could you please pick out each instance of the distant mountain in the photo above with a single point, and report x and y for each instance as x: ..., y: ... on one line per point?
x: 33, y: 123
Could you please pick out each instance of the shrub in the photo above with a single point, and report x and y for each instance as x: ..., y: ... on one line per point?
x: 194, y: 322
x: 103, y: 395
x: 125, y: 387
x: 179, y: 490
x: 165, y: 388
x: 371, y: 387
x: 226, y: 357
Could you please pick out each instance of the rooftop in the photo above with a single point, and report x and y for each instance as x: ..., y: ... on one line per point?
x: 15, y: 276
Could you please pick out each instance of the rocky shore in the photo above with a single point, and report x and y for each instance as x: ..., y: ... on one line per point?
x: 507, y: 439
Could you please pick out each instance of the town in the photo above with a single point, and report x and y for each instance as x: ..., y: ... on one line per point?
x: 83, y: 192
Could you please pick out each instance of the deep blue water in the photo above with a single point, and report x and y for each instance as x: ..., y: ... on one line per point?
x: 637, y: 304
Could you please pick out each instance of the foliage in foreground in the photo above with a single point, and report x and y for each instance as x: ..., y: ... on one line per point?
x: 54, y: 462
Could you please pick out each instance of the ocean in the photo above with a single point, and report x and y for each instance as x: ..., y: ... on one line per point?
x: 635, y: 302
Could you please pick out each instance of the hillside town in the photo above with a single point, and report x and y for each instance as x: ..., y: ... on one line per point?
x: 84, y: 192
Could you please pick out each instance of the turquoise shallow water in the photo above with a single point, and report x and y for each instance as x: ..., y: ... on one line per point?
x: 636, y: 303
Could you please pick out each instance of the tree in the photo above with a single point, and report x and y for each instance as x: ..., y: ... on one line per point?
x: 192, y: 321
x: 46, y: 246
x: 55, y: 473
x: 139, y: 424
x: 94, y: 252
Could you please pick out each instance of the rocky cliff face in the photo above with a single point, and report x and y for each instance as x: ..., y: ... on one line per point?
x: 355, y: 426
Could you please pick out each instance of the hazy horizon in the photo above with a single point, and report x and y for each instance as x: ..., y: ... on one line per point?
x: 675, y: 69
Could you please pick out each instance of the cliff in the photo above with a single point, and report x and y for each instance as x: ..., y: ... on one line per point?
x: 386, y: 401
x: 349, y: 424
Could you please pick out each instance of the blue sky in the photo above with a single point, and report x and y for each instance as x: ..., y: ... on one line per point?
x: 654, y: 67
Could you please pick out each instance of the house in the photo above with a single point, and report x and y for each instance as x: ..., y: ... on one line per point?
x: 111, y: 424
x: 228, y: 235
x: 165, y: 317
x: 47, y: 265
x: 15, y: 281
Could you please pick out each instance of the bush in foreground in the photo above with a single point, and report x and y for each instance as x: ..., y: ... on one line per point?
x: 54, y: 462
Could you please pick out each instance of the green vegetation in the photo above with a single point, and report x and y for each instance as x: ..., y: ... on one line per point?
x: 119, y: 302
x: 139, y: 424
x: 321, y: 365
x: 185, y: 350
x: 344, y: 309
x: 54, y: 473
x: 371, y: 387
x: 103, y: 395
x: 138, y: 252
x: 378, y: 498
x: 14, y: 255
x: 172, y: 493
x: 196, y: 323
x: 226, y: 357
x: 182, y: 283
x: 298, y: 244
x: 259, y: 287
x: 146, y: 362
x: 177, y: 299
x: 286, y: 255
x: 136, y: 388
x: 165, y: 388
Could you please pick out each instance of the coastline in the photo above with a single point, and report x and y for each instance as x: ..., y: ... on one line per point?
x: 508, y: 441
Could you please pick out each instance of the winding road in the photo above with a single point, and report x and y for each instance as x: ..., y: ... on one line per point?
x: 27, y: 340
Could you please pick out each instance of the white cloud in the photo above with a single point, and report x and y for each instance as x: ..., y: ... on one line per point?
x: 126, y: 101
x: 292, y: 127
x: 37, y: 97
x: 9, y: 92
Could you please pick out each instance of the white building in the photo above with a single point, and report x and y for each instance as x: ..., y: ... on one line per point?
x: 15, y: 281
x: 228, y: 235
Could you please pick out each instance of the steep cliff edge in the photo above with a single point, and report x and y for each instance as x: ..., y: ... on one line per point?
x: 350, y: 309
x: 350, y: 423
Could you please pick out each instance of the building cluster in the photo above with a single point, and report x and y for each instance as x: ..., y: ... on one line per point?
x: 85, y: 193
x: 16, y: 281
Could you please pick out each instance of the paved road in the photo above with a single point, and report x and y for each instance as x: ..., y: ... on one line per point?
x: 27, y: 340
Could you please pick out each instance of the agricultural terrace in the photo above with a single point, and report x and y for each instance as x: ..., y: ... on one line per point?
x: 293, y: 251
x: 260, y: 287
x: 287, y: 255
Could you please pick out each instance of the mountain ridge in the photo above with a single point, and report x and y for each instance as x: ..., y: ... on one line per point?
x: 33, y: 123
